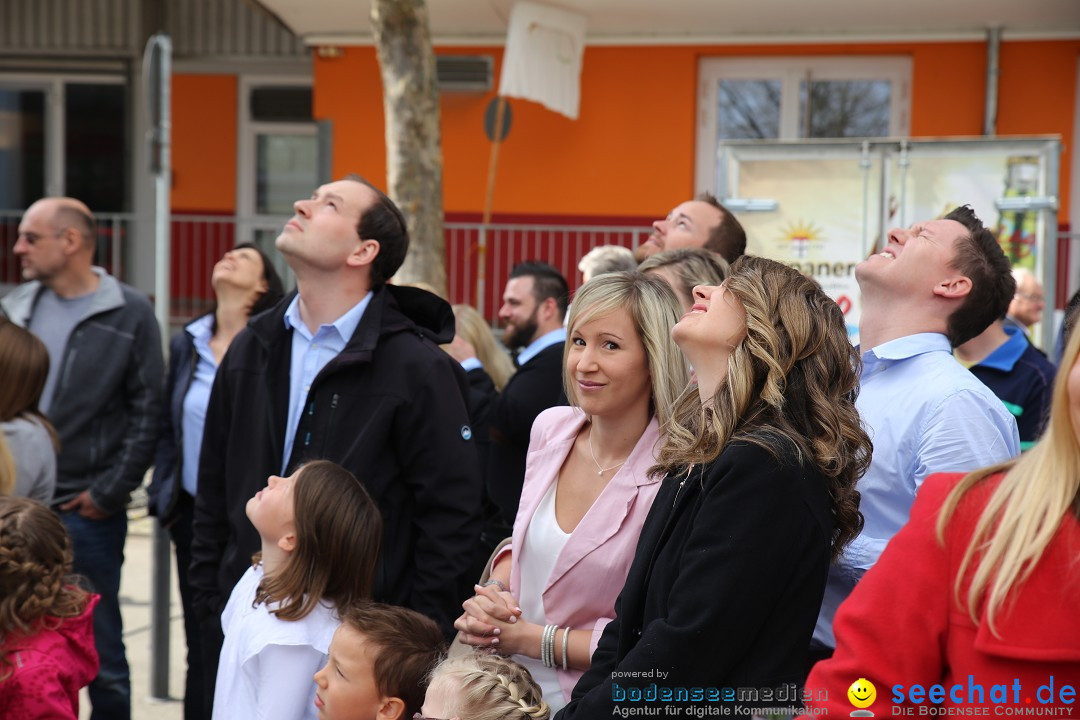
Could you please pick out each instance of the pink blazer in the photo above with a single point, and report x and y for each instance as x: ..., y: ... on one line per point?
x: 591, y: 569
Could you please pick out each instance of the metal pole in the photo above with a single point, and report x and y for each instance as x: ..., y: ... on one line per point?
x: 160, y: 154
x: 1047, y: 257
x: 993, y: 69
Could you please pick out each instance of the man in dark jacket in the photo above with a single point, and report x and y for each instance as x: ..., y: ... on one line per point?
x: 102, y: 394
x: 534, y: 305
x: 346, y: 369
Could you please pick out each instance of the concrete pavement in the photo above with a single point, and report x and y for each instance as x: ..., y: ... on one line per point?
x: 135, y: 590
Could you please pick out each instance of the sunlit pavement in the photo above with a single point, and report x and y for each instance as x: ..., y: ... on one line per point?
x: 135, y: 589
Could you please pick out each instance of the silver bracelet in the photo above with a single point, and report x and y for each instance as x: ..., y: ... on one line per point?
x: 565, y: 639
x: 493, y: 581
x: 547, y: 646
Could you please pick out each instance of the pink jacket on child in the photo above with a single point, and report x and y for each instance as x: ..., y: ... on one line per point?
x: 48, y: 670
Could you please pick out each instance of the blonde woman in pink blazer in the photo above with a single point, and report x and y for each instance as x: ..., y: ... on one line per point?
x: 586, y: 491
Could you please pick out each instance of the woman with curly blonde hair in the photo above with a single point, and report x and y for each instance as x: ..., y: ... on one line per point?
x: 46, y: 631
x: 761, y: 459
x: 477, y: 686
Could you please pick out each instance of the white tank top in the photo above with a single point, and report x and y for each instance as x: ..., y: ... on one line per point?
x: 544, y: 541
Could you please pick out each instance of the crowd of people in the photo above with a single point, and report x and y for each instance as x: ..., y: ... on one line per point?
x: 683, y: 487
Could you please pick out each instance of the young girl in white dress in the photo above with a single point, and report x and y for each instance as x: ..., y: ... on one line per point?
x: 320, y: 534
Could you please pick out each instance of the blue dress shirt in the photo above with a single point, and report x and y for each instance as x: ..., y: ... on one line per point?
x: 925, y: 414
x: 541, y: 343
x: 197, y: 397
x: 310, y: 354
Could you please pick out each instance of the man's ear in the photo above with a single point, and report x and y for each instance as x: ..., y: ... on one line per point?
x: 954, y: 287
x: 549, y: 309
x: 392, y: 708
x: 73, y: 241
x: 364, y: 254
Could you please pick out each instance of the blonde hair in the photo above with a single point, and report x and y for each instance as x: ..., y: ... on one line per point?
x: 654, y: 310
x: 1025, y: 511
x: 7, y: 468
x: 472, y: 327
x: 490, y: 687
x: 693, y: 266
x: 791, y: 383
x: 36, y: 590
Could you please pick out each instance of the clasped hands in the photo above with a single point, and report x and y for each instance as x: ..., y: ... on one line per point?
x: 492, y: 620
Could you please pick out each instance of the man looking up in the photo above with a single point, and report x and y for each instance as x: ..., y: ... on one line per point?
x: 934, y: 286
x: 700, y: 223
x: 347, y: 369
x: 102, y: 395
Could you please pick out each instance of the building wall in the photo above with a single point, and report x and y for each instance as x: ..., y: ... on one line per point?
x: 204, y: 143
x: 631, y: 153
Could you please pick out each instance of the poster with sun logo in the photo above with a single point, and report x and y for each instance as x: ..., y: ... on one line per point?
x: 818, y: 227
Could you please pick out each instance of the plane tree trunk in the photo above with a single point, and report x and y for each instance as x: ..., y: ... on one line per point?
x: 413, y: 142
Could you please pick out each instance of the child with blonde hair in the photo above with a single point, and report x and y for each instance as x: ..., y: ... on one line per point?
x: 478, y: 686
x: 320, y: 533
x: 46, y: 622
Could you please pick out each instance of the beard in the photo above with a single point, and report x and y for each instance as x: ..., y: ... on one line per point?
x: 646, y: 249
x: 518, y: 336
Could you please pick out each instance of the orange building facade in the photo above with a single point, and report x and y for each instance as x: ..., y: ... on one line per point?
x: 631, y: 154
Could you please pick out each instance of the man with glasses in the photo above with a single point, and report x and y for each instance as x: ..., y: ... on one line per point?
x: 102, y: 395
x: 1027, y: 304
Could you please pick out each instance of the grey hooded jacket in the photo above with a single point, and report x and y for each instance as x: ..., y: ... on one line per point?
x: 108, y: 393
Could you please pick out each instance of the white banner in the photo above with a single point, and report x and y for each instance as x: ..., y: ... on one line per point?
x: 542, y: 62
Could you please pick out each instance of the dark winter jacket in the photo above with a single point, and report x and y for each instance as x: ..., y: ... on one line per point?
x: 165, y: 486
x: 105, y: 407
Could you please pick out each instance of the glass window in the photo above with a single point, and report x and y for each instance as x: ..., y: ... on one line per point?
x: 280, y: 104
x: 286, y: 170
x: 844, y: 108
x: 791, y: 98
x: 748, y: 109
x: 95, y: 145
x: 22, y: 147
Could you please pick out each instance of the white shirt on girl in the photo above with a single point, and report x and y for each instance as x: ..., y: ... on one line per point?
x: 267, y: 665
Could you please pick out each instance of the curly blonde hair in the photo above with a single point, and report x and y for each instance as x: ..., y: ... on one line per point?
x: 792, y: 381
x: 489, y: 687
x: 36, y: 590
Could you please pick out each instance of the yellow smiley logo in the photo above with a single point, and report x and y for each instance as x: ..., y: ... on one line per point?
x: 862, y: 693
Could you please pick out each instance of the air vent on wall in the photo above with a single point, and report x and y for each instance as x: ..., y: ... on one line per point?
x: 464, y: 73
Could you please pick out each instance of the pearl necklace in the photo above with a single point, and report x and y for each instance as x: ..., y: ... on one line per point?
x: 601, y: 470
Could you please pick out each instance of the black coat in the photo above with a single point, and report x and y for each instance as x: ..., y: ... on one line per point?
x: 390, y: 408
x: 725, y: 585
x: 536, y: 386
x: 166, y: 484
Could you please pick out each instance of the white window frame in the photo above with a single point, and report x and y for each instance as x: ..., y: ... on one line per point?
x: 791, y: 72
x: 247, y: 132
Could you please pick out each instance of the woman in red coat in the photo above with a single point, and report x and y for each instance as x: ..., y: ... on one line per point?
x: 975, y: 603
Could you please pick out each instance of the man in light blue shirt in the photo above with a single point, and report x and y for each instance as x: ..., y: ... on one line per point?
x: 934, y: 286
